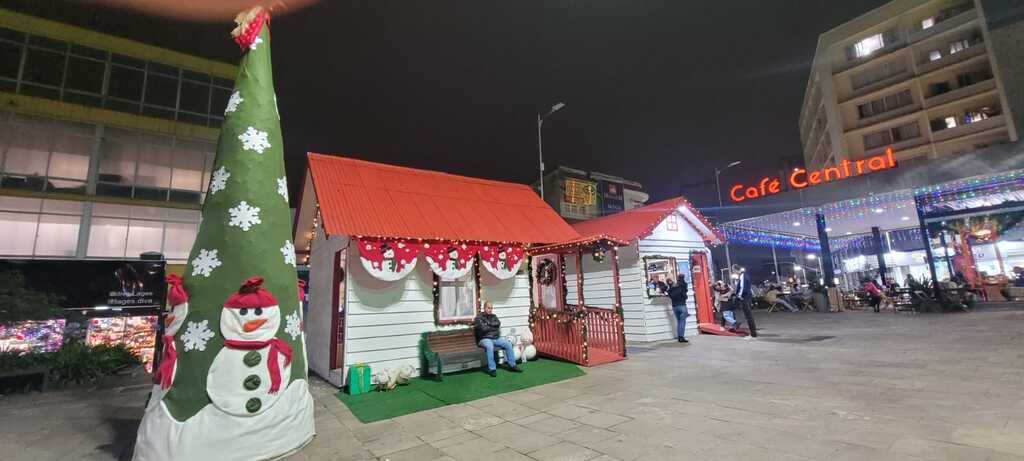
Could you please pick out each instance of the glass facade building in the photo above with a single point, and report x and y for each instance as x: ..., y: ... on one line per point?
x: 106, y: 145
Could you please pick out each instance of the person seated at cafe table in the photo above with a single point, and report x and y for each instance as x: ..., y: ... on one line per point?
x: 488, y: 335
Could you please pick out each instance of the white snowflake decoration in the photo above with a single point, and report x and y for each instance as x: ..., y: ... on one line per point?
x: 288, y: 250
x: 196, y: 336
x: 233, y: 102
x: 255, y: 43
x: 205, y: 262
x: 254, y: 139
x: 282, y: 187
x: 220, y: 180
x: 244, y: 216
x: 293, y: 325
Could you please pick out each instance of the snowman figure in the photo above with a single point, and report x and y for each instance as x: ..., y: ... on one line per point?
x: 452, y: 263
x: 502, y: 259
x: 163, y: 376
x: 388, y: 264
x: 248, y: 372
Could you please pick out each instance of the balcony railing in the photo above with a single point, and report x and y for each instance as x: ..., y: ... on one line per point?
x: 969, y: 128
x: 960, y: 93
x: 943, y: 26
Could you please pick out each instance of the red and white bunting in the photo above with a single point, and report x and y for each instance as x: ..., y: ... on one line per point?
x: 450, y: 260
x: 388, y: 260
x: 502, y: 261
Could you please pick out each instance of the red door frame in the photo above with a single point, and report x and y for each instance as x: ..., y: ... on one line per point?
x: 701, y: 287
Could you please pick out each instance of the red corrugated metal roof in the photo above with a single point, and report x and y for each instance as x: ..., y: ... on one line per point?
x: 638, y: 223
x: 370, y: 199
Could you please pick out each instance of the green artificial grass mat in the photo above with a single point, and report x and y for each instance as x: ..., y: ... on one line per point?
x: 426, y: 393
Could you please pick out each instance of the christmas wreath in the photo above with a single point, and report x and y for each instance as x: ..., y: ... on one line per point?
x: 546, y: 272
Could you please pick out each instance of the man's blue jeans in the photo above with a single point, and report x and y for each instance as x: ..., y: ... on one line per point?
x: 488, y: 345
x: 681, y: 314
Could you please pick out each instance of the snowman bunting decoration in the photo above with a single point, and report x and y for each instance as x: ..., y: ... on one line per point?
x: 247, y: 375
x: 388, y: 260
x: 502, y: 261
x: 450, y: 261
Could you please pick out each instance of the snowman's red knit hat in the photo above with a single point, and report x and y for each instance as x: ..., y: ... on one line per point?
x: 251, y: 295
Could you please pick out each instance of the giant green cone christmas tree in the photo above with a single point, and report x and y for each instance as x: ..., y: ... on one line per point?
x: 237, y: 373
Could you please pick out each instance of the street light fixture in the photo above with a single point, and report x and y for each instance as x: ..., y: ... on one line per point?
x: 540, y: 143
x: 718, y: 187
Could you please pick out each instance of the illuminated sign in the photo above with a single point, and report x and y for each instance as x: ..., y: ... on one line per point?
x: 800, y: 178
x: 583, y: 193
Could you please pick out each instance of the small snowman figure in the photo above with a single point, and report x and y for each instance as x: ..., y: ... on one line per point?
x: 247, y: 374
x: 163, y: 376
x: 502, y: 259
x: 452, y: 263
x: 388, y: 264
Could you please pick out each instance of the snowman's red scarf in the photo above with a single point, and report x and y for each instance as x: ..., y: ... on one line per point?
x: 276, y: 346
x: 165, y: 373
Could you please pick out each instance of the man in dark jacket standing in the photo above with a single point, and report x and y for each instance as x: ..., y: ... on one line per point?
x: 744, y: 295
x: 677, y: 293
x: 488, y: 334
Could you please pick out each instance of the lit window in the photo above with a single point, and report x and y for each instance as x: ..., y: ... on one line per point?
x: 958, y: 46
x: 934, y: 55
x: 927, y: 22
x: 869, y: 45
x: 950, y: 122
x: 456, y: 299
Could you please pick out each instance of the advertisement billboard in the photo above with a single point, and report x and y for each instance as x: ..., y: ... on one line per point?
x: 612, y: 197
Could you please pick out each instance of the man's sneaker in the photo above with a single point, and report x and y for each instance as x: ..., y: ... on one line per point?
x: 515, y: 370
x: 492, y: 373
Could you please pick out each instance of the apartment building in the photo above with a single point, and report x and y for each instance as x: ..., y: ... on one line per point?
x: 106, y: 144
x: 930, y: 78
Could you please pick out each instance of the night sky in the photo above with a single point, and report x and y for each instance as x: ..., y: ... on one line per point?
x: 656, y: 91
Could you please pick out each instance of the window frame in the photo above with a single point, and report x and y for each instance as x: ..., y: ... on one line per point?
x: 673, y: 269
x: 473, y: 278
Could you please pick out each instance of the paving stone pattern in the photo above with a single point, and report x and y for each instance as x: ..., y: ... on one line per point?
x: 884, y: 387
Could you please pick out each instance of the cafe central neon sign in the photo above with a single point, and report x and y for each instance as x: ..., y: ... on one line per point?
x: 800, y: 178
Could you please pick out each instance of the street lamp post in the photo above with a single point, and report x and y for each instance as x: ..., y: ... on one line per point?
x: 540, y: 143
x: 718, y: 187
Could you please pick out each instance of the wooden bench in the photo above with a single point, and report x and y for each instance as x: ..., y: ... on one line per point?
x: 452, y: 351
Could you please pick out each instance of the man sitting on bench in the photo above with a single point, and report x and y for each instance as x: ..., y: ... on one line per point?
x: 488, y: 334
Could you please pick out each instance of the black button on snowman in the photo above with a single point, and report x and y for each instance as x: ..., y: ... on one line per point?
x: 249, y: 322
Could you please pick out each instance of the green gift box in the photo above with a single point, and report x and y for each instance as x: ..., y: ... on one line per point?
x: 359, y: 379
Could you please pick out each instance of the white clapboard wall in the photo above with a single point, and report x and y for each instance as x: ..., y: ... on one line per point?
x: 598, y: 288
x: 659, y: 319
x: 385, y: 320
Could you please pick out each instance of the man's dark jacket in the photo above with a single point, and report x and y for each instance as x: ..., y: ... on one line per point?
x: 487, y: 326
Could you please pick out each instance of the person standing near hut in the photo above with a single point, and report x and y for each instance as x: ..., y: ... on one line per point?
x: 744, y: 296
x: 488, y: 334
x: 677, y: 293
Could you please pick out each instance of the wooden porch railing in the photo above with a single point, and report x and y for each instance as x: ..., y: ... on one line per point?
x: 556, y: 335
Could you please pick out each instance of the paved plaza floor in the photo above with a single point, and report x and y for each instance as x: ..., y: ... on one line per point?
x: 848, y: 386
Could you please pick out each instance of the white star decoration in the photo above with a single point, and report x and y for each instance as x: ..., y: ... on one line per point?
x: 288, y: 250
x: 282, y: 187
x: 255, y: 43
x: 244, y: 216
x: 205, y: 262
x: 255, y: 140
x: 219, y: 180
x: 233, y: 102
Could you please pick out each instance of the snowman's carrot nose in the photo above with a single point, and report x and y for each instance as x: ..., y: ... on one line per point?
x: 252, y: 325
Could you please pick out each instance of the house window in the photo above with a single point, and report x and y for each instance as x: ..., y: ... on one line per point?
x: 672, y: 224
x: 934, y: 55
x: 868, y: 45
x: 927, y: 23
x: 456, y: 299
x: 659, y: 270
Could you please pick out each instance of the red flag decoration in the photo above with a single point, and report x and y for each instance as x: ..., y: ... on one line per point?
x: 503, y: 261
x: 450, y: 260
x: 388, y: 260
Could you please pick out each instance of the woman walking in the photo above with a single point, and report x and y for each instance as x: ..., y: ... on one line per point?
x: 677, y: 293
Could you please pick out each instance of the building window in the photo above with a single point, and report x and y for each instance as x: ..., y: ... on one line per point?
x: 934, y: 55
x: 877, y: 74
x: 53, y: 69
x: 153, y: 167
x: 906, y: 132
x: 121, y: 231
x: 36, y: 227
x: 888, y: 103
x: 659, y: 271
x: 45, y: 155
x: 456, y: 299
x: 927, y: 23
x: 889, y: 136
x: 868, y: 45
x: 958, y: 46
x: 981, y: 113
